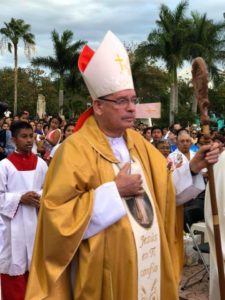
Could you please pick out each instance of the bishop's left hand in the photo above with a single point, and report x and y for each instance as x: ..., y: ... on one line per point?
x: 207, y: 154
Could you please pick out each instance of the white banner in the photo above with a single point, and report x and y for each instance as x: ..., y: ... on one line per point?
x: 148, y: 110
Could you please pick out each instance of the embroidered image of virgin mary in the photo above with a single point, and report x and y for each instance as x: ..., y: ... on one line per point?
x: 141, y: 209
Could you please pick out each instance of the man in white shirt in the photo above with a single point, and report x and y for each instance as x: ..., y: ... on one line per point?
x: 182, y: 154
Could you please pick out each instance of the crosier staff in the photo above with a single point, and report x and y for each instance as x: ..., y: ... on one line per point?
x: 200, y: 84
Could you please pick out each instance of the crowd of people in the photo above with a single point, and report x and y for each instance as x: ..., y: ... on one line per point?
x: 49, y: 133
x: 166, y: 139
x: 108, y: 223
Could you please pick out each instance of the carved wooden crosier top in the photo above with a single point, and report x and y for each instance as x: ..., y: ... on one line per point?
x: 200, y: 84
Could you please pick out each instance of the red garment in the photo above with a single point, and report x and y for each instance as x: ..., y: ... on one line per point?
x: 23, y: 162
x: 82, y: 118
x: 85, y: 57
x: 14, y: 287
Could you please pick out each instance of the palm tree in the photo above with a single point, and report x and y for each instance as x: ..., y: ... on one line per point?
x: 13, y: 31
x: 206, y: 39
x: 168, y: 42
x: 65, y: 53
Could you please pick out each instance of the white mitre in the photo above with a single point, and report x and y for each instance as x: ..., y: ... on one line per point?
x: 107, y: 70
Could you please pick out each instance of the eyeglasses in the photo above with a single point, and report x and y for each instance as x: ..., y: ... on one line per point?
x: 123, y: 102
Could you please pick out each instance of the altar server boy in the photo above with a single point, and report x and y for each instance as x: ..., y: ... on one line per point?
x: 22, y: 176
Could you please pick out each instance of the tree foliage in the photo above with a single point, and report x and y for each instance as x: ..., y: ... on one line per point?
x: 175, y: 40
x: 65, y: 57
x: 206, y: 39
x: 167, y: 42
x: 151, y: 82
x: 12, y: 33
x: 32, y: 82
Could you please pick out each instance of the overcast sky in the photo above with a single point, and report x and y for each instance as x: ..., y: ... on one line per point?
x: 131, y: 20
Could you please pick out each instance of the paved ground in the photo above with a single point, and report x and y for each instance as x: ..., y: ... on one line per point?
x: 199, y: 291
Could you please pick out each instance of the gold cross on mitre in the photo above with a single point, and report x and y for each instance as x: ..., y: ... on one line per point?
x: 124, y: 65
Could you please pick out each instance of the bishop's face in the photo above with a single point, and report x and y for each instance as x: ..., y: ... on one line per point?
x: 116, y: 112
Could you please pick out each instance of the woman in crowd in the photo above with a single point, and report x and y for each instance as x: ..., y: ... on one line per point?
x: 164, y: 147
x: 34, y: 148
x: 200, y: 140
x: 147, y: 134
x: 194, y: 137
x: 39, y: 128
x: 53, y: 137
x: 67, y: 131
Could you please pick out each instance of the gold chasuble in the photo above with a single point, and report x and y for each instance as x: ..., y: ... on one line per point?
x: 105, y: 264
